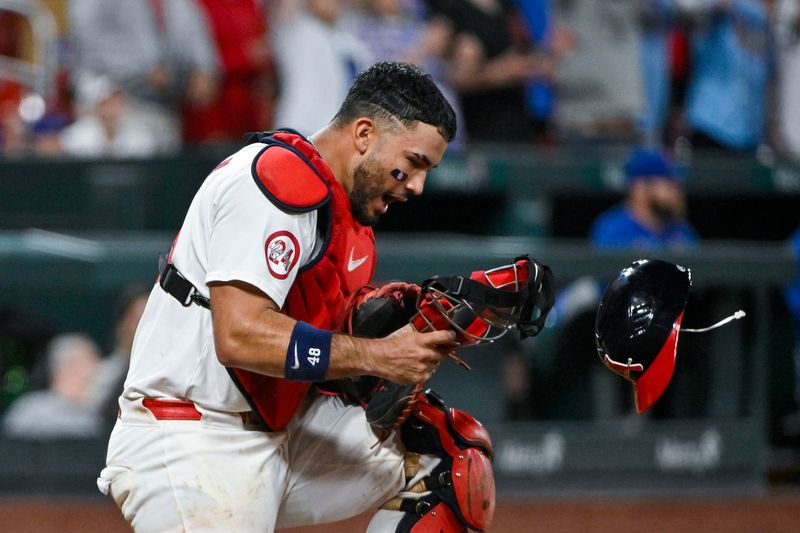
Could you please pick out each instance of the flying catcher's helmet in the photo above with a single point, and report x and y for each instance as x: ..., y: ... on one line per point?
x: 638, y: 323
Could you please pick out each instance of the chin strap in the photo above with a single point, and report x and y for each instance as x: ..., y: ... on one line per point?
x: 735, y: 316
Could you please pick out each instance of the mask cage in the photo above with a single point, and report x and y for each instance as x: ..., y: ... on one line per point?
x: 473, y: 323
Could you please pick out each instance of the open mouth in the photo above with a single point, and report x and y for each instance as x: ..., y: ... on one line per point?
x: 389, y: 198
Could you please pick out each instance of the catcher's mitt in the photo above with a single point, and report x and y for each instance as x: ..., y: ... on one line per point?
x: 375, y: 312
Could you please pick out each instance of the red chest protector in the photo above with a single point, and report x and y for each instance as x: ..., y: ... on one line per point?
x: 291, y: 173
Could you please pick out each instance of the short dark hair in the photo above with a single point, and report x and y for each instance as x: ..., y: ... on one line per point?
x: 401, y: 90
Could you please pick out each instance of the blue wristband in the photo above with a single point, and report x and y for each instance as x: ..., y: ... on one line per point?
x: 308, y: 353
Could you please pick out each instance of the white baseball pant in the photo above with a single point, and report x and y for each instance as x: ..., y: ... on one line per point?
x: 216, y: 474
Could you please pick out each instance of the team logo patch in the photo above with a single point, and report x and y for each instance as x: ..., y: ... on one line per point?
x: 282, y: 253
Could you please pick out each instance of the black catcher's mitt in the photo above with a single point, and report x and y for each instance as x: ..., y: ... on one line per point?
x: 374, y: 312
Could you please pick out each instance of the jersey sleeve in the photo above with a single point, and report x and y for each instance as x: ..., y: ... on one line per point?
x: 253, y: 241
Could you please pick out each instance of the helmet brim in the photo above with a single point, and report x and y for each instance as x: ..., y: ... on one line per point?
x: 649, y: 387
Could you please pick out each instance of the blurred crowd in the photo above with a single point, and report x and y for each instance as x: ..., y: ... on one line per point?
x: 138, y: 78
x: 144, y: 78
x: 71, y: 388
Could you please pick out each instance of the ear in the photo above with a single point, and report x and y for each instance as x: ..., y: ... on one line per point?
x: 364, y: 134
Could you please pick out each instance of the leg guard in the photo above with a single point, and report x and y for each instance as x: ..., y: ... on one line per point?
x: 459, y: 491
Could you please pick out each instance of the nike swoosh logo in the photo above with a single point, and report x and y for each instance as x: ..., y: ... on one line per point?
x: 354, y: 264
x: 296, y: 359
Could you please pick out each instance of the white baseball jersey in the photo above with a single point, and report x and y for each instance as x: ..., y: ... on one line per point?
x: 231, y: 232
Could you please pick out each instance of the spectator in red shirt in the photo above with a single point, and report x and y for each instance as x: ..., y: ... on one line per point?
x: 247, y: 89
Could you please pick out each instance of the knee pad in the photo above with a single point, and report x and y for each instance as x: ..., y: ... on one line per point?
x: 459, y: 492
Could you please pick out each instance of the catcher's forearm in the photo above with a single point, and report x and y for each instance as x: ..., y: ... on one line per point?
x: 351, y: 356
x: 252, y: 334
x: 263, y: 343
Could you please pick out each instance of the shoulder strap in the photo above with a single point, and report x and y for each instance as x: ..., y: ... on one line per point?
x: 179, y: 287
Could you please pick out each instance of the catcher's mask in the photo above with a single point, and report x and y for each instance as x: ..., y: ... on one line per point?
x: 638, y: 323
x: 486, y: 305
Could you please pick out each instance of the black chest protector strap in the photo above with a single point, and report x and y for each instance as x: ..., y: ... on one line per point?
x: 179, y: 287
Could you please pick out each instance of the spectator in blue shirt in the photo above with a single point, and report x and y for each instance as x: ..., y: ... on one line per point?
x: 732, y: 61
x: 653, y: 215
x: 658, y: 19
x: 792, y: 292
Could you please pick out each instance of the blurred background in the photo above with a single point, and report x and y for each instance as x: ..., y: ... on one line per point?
x: 591, y: 133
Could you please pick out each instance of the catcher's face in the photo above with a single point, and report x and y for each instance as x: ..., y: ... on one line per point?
x: 394, y: 169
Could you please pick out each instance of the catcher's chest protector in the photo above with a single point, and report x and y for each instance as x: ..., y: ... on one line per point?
x: 291, y: 173
x: 463, y: 483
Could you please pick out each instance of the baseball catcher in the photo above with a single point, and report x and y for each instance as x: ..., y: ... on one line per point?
x: 450, y: 484
x: 638, y: 324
